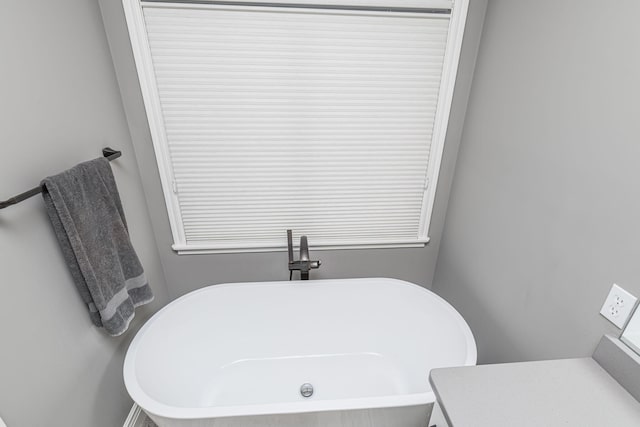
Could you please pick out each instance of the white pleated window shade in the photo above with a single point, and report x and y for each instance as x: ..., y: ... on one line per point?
x: 317, y: 120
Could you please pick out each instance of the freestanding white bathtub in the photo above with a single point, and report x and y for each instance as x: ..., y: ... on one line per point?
x: 236, y: 355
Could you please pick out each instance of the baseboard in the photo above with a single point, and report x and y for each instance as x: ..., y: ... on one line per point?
x: 134, y: 417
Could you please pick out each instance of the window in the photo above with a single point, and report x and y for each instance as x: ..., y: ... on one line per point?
x: 327, y: 119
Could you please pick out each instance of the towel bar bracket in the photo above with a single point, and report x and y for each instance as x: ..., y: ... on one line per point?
x: 107, y: 152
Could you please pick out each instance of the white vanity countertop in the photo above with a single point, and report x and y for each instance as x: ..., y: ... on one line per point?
x: 566, y: 393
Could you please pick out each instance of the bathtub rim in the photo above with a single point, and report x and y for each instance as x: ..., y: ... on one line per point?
x: 150, y: 405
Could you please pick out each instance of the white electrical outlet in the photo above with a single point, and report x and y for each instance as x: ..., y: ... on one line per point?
x: 618, y: 306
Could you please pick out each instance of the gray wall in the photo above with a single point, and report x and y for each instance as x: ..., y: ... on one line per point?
x: 188, y: 272
x: 544, y: 213
x: 59, y: 106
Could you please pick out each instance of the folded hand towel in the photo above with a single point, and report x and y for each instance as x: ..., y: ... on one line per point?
x: 85, y: 209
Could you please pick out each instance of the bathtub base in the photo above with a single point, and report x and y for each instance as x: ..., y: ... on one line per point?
x: 407, y: 416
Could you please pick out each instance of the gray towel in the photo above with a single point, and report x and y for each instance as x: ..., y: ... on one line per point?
x: 85, y: 209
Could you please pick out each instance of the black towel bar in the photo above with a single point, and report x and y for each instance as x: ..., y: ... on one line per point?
x: 107, y: 152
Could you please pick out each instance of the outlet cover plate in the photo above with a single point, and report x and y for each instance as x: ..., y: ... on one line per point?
x: 618, y: 306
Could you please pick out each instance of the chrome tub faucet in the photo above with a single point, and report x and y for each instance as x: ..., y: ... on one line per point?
x: 304, y: 264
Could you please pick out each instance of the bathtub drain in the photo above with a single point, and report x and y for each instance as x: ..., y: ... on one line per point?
x: 306, y: 390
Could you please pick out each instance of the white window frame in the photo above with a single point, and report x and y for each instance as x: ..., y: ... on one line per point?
x: 142, y: 56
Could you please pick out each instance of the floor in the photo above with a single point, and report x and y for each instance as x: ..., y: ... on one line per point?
x: 146, y: 422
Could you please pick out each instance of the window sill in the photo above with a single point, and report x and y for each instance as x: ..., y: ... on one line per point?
x: 184, y: 249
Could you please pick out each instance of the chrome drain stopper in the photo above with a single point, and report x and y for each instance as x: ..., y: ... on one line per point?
x: 306, y: 390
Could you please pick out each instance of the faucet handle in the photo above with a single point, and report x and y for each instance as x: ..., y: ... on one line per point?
x: 304, y: 264
x: 304, y: 249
